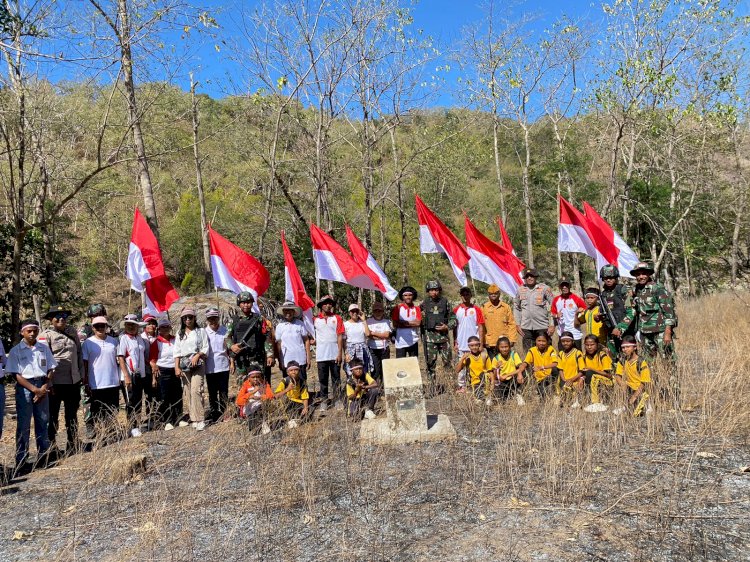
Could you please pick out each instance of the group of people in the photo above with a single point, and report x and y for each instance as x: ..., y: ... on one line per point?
x: 160, y: 374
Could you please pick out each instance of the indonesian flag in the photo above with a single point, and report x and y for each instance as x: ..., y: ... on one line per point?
x: 436, y: 238
x: 145, y: 268
x: 295, y: 290
x: 610, y: 248
x: 573, y: 232
x: 504, y: 238
x: 333, y: 263
x: 365, y: 259
x: 490, y: 262
x: 236, y: 270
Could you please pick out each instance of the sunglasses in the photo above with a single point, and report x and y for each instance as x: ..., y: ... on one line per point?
x: 99, y: 326
x: 60, y: 316
x: 609, y: 277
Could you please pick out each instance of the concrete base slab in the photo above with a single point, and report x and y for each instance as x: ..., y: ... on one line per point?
x: 378, y: 431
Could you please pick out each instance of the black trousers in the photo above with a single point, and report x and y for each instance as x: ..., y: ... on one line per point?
x: 365, y: 401
x: 218, y: 393
x: 134, y: 405
x: 377, y: 362
x: 329, y: 371
x: 153, y: 397
x: 171, y: 396
x: 530, y: 336
x: 104, y: 405
x: 411, y: 351
x: 68, y: 395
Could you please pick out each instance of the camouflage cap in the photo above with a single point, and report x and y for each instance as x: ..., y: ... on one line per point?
x: 644, y: 267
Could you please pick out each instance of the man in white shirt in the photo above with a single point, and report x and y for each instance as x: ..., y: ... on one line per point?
x: 292, y: 340
x: 33, y: 365
x: 132, y: 357
x: 101, y: 378
x: 217, y: 365
x: 407, y: 319
x: 329, y: 350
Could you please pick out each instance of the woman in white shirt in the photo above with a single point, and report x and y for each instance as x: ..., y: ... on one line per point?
x: 381, y: 329
x: 161, y: 356
x: 190, y: 352
x: 356, y: 334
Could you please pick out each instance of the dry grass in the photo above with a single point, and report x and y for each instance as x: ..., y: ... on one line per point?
x: 532, y: 483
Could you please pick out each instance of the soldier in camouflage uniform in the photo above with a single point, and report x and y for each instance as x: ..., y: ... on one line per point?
x: 618, y: 298
x: 438, y: 321
x: 655, y: 319
x: 250, y: 339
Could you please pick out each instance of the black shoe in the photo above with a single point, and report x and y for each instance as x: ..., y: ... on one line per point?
x: 22, y: 469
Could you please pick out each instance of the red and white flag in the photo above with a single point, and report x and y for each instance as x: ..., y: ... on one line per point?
x: 436, y: 238
x: 333, y: 263
x: 364, y: 258
x: 573, y: 232
x: 504, y: 238
x: 610, y: 248
x: 490, y: 262
x: 295, y: 290
x: 236, y: 270
x: 145, y: 268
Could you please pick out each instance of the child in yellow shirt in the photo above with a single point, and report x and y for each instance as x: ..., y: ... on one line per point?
x: 507, y: 372
x: 633, y: 375
x: 543, y: 362
x: 361, y: 391
x: 476, y: 363
x: 570, y: 365
x: 294, y: 392
x: 598, y: 372
x: 590, y: 318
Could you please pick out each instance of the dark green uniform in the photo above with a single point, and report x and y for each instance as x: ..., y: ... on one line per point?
x: 437, y: 344
x: 255, y: 335
x: 619, y: 300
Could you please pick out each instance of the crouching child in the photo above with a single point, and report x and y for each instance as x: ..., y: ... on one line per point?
x: 570, y: 365
x: 506, y: 376
x: 473, y: 367
x: 362, y: 391
x: 252, y: 397
x: 543, y: 362
x: 634, y: 376
x: 293, y: 393
x: 597, y: 371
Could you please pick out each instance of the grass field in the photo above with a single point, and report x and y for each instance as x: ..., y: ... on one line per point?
x: 532, y: 483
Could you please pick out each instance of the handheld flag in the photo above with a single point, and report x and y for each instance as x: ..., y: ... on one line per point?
x: 610, y: 248
x: 436, y: 238
x: 295, y: 290
x: 145, y: 268
x: 490, y: 262
x: 573, y: 233
x: 364, y: 258
x: 333, y: 263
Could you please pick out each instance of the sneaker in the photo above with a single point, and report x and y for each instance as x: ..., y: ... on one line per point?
x: 618, y: 411
x: 193, y: 424
x: 168, y: 427
x: 199, y: 426
x: 291, y: 424
x: 650, y: 410
x: 575, y: 405
x: 323, y: 407
x: 519, y: 400
x: 339, y: 405
x: 488, y: 402
x: 135, y: 432
x: 596, y: 408
x: 265, y: 429
x: 183, y: 423
x: 369, y: 414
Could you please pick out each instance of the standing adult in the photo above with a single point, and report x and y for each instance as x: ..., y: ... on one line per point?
x: 356, y: 333
x: 469, y: 325
x: 63, y: 340
x: 329, y: 351
x: 292, y: 339
x: 161, y: 356
x: 95, y: 310
x: 217, y: 366
x: 250, y: 338
x: 498, y: 321
x: 380, y: 328
x: 407, y: 320
x: 131, y: 355
x: 33, y: 365
x: 438, y: 321
x: 190, y: 352
x: 619, y: 301
x: 151, y: 388
x: 531, y: 308
x: 564, y: 309
x: 101, y: 378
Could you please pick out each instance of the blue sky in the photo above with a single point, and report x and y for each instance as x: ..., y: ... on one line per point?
x: 441, y: 19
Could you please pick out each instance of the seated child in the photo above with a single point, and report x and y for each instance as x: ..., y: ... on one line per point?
x: 570, y: 365
x: 633, y: 375
x: 597, y: 371
x: 361, y: 390
x: 507, y: 373
x: 591, y: 317
x: 543, y: 362
x: 253, y: 393
x: 297, y: 399
x: 472, y: 366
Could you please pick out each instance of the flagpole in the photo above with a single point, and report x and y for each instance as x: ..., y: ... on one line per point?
x: 130, y: 295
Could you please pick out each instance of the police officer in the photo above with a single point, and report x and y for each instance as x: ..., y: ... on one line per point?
x: 531, y: 309
x: 619, y: 301
x: 250, y: 338
x: 63, y: 340
x: 438, y: 321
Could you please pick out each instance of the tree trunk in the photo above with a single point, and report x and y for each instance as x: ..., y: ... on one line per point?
x: 500, y: 183
x: 134, y: 118
x: 615, y: 151
x: 401, y: 214
x: 208, y: 279
x: 527, y: 197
